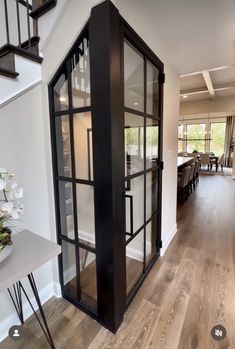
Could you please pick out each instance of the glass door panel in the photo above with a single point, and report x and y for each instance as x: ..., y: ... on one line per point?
x: 152, y: 90
x: 134, y: 144
x: 85, y: 214
x: 62, y: 129
x: 134, y: 261
x: 69, y: 269
x: 133, y: 77
x: 152, y: 139
x: 82, y: 130
x: 80, y: 77
x: 141, y: 162
x: 88, y: 277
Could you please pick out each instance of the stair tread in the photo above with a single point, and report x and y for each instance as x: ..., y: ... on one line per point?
x: 8, y: 73
x: 41, y: 10
x: 17, y: 50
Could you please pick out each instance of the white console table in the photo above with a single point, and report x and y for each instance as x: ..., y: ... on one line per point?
x: 30, y: 251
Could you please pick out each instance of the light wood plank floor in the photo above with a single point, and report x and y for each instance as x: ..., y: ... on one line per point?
x: 189, y: 290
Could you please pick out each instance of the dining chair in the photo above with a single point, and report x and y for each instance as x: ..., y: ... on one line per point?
x: 183, y: 183
x: 191, y: 177
x: 205, y: 160
x: 196, y: 174
x: 220, y: 162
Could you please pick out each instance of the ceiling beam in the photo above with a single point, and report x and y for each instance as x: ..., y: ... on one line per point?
x: 208, y: 70
x: 199, y: 90
x: 209, y: 84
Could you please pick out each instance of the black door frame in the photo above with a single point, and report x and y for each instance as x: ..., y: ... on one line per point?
x: 107, y: 30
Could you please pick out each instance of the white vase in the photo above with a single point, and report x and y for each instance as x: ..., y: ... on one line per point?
x: 5, y: 252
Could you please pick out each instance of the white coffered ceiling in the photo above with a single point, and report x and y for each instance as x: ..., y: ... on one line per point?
x: 197, y: 36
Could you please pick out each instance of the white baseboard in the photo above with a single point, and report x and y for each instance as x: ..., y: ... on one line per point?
x: 233, y: 177
x: 166, y: 243
x: 53, y: 289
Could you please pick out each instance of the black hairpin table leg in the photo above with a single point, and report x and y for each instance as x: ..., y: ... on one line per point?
x: 16, y: 298
x: 17, y: 301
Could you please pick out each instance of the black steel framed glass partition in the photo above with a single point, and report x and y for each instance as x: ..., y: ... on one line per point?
x: 106, y: 128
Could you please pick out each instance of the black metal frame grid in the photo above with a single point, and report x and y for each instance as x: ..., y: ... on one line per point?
x: 106, y: 39
x: 67, y: 68
x: 137, y: 43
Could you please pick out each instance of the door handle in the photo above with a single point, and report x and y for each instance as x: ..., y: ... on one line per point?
x: 130, y: 197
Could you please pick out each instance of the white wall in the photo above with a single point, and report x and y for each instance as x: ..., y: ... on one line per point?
x: 223, y: 104
x: 29, y: 74
x: 22, y: 151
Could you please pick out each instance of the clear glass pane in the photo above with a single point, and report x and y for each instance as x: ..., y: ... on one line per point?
x: 217, y: 138
x: 136, y: 191
x: 151, y: 193
x: 66, y: 209
x: 151, y: 239
x: 152, y: 130
x: 196, y: 138
x: 63, y: 146
x: 133, y: 77
x: 83, y: 146
x: 88, y: 277
x: 134, y: 260
x: 69, y: 268
x: 80, y: 76
x: 134, y: 144
x: 152, y: 89
x: 61, y: 100
x: 85, y: 214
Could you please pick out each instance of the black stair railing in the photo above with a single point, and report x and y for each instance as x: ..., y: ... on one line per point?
x: 21, y: 35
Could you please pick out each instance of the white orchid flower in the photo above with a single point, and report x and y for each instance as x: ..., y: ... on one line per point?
x: 7, y: 207
x: 19, y: 193
x: 15, y: 213
x: 2, y: 184
x: 14, y: 185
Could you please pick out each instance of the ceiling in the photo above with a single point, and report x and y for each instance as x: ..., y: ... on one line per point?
x: 208, y: 84
x: 196, y: 36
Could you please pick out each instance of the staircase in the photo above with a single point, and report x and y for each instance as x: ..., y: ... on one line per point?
x: 19, y: 25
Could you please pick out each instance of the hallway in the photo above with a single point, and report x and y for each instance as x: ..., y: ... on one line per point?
x: 189, y: 290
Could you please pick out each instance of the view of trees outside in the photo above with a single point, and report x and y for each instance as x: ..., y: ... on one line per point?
x: 196, y: 137
x: 218, y: 137
x: 134, y: 141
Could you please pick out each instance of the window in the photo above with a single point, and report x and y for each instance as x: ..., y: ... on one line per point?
x: 217, y: 138
x: 196, y: 137
x: 180, y: 136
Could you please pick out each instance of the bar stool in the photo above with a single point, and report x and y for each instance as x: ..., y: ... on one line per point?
x: 183, y: 183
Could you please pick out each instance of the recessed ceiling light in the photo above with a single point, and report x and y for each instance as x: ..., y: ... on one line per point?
x: 62, y: 99
x: 136, y: 103
x: 185, y: 96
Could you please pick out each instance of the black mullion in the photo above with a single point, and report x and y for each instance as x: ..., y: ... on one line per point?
x: 133, y: 111
x: 74, y: 111
x: 141, y: 228
x: 55, y: 182
x: 152, y: 117
x: 76, y: 180
x: 145, y: 122
x: 160, y: 157
x: 86, y: 247
x: 137, y: 174
x: 73, y: 178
